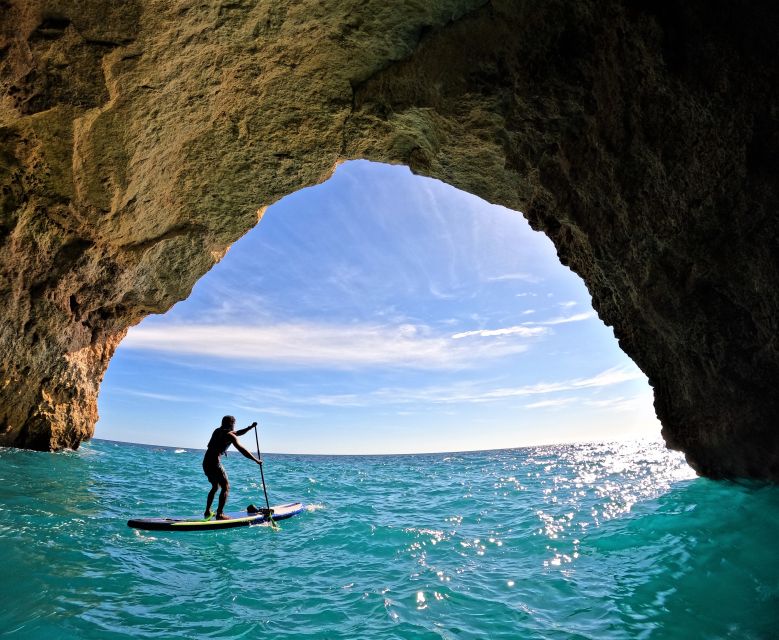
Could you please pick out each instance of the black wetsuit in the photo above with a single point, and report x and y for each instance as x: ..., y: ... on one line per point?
x: 217, y: 447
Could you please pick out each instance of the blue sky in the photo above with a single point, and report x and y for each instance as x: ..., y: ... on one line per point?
x: 380, y: 312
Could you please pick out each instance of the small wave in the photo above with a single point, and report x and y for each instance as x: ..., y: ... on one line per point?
x: 180, y: 451
x: 396, y: 547
x: 145, y: 537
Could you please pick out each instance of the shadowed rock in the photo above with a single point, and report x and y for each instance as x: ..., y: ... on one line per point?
x: 138, y: 140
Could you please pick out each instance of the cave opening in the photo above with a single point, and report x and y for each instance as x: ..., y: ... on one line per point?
x: 380, y: 312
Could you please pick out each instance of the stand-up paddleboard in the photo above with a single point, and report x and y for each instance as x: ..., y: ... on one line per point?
x: 238, y: 519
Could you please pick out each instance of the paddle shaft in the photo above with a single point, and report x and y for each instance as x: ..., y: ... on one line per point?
x: 262, y: 475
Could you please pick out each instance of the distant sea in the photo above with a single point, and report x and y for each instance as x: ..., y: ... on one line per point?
x: 578, y: 541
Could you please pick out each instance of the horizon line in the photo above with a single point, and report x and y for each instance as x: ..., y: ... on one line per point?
x: 408, y: 453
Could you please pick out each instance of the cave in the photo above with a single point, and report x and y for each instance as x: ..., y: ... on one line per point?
x: 139, y: 141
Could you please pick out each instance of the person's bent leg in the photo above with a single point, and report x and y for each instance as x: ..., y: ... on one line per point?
x: 222, y: 500
x: 210, y: 500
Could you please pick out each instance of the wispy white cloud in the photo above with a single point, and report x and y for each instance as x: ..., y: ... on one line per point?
x: 438, y: 293
x: 530, y: 329
x: 338, y: 400
x: 567, y: 304
x: 460, y: 393
x: 612, y: 376
x: 565, y: 319
x: 621, y: 403
x: 273, y: 411
x: 524, y: 332
x: 449, y: 322
x: 558, y: 402
x: 324, y: 345
x: 609, y: 377
x: 617, y: 403
x: 164, y: 397
x: 524, y: 277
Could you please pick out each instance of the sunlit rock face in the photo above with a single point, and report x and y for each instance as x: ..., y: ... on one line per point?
x: 140, y: 139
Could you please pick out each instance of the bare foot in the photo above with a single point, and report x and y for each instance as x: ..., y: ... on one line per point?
x: 222, y: 516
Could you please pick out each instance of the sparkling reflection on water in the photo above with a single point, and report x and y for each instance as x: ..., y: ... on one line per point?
x: 576, y: 541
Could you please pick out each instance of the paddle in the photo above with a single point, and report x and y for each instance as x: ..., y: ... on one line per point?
x: 268, y: 511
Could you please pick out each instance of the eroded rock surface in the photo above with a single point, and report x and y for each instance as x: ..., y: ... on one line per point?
x: 140, y: 139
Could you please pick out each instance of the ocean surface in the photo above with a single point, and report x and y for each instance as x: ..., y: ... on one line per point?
x: 577, y: 541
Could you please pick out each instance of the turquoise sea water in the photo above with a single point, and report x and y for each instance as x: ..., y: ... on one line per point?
x: 575, y: 541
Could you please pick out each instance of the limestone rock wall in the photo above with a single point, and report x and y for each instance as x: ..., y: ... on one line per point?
x: 138, y: 140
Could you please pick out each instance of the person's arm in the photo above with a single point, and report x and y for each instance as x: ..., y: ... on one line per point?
x: 240, y: 432
x: 243, y: 449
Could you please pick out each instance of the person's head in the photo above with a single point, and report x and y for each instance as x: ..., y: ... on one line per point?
x: 228, y: 422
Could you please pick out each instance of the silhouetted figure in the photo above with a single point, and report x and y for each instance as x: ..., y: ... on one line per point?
x: 220, y: 440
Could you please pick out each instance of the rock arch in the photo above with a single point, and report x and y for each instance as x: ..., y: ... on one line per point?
x: 140, y: 138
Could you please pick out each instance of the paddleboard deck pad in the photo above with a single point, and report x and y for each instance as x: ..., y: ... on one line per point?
x: 237, y: 519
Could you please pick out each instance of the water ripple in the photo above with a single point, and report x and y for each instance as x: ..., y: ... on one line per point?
x: 575, y: 541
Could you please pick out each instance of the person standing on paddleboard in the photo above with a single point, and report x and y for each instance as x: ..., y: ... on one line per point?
x: 220, y: 440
